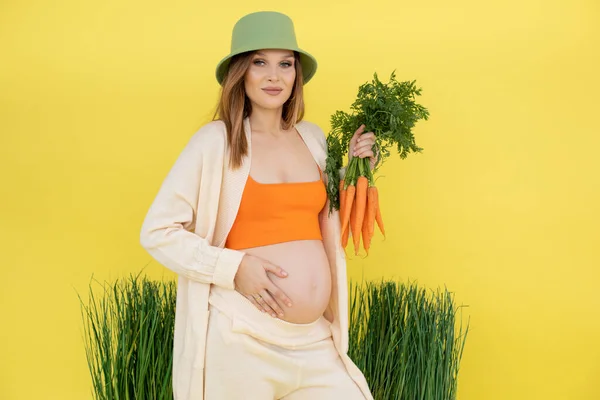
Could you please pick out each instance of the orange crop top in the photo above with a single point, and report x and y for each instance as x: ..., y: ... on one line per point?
x: 272, y: 213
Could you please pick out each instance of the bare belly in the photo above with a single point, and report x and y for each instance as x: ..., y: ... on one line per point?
x: 308, y: 284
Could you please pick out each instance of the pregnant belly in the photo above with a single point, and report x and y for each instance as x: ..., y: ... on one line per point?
x: 308, y: 284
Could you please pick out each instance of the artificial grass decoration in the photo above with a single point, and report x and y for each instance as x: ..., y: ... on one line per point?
x: 129, y: 338
x: 404, y: 341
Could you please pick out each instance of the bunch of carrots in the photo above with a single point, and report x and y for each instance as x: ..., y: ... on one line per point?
x: 389, y: 111
x: 359, y: 207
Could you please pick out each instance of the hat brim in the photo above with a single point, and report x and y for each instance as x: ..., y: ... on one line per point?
x: 309, y: 64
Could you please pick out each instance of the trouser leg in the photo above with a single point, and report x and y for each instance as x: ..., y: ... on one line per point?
x: 238, y: 366
x: 323, y: 375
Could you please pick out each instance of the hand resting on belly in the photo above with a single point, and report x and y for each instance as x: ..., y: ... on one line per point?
x: 307, y: 284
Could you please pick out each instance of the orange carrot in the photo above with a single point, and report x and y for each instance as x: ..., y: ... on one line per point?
x: 345, y: 237
x: 371, y: 209
x: 342, y: 196
x: 342, y: 209
x: 362, y: 184
x: 369, y: 222
x: 378, y: 211
x: 366, y: 237
x: 352, y: 227
x: 350, y: 191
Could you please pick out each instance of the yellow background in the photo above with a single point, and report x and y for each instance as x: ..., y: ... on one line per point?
x: 97, y: 99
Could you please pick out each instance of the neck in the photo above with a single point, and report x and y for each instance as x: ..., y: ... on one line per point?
x: 268, y: 121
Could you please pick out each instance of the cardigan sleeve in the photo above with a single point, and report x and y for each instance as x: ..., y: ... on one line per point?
x: 167, y: 230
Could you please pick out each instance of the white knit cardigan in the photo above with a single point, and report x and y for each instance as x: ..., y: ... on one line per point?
x: 185, y: 230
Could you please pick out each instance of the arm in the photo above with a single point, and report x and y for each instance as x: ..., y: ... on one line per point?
x: 167, y: 231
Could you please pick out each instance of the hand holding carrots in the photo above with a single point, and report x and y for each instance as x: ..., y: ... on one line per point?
x: 361, y: 145
x: 359, y: 200
x: 388, y: 112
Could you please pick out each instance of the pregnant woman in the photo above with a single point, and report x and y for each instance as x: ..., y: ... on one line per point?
x: 243, y: 218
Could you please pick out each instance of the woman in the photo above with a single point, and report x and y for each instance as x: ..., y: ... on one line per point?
x: 243, y: 218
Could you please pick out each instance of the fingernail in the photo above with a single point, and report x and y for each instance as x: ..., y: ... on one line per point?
x: 289, y: 304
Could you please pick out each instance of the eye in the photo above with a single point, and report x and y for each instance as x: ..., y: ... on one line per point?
x: 286, y: 64
x: 258, y: 62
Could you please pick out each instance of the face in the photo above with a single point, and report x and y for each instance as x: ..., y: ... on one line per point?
x: 270, y: 78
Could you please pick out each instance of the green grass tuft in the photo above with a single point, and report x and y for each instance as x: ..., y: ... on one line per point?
x: 129, y: 339
x: 405, y: 342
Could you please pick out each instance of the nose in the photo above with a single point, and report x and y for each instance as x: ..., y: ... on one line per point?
x: 273, y: 74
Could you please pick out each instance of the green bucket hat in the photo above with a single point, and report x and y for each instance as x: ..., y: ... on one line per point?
x: 266, y: 30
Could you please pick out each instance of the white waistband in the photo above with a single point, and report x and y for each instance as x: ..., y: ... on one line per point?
x: 246, y: 318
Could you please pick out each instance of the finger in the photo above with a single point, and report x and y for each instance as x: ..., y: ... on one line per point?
x: 366, y: 136
x: 255, y: 303
x: 357, y: 133
x: 363, y: 146
x: 366, y: 153
x: 365, y: 139
x: 279, y: 294
x: 280, y: 272
x: 261, y: 301
x: 271, y: 302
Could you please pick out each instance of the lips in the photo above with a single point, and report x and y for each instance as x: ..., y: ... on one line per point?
x: 273, y: 91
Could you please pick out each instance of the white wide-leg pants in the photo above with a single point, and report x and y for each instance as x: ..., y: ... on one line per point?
x: 253, y: 356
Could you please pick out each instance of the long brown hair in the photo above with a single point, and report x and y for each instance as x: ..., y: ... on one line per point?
x: 234, y: 105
